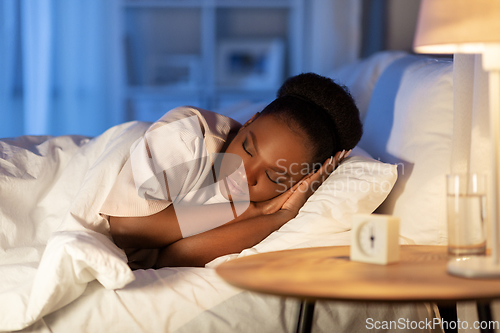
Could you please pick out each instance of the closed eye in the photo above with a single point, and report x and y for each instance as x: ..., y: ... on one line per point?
x: 245, y: 148
x: 279, y: 180
x: 274, y: 181
x: 244, y: 144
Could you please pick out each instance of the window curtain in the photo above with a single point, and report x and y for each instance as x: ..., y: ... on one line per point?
x: 60, y: 73
x: 374, y: 25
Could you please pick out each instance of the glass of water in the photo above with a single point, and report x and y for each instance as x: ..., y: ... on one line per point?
x: 466, y: 208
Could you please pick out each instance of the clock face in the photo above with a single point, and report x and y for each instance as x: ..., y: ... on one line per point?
x: 369, y: 239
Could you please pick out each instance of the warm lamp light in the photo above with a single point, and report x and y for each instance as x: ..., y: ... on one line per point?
x: 457, y: 26
x: 470, y: 26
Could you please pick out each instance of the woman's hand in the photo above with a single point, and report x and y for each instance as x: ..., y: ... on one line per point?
x: 273, y: 205
x: 293, y: 201
x: 310, y: 183
x: 231, y: 237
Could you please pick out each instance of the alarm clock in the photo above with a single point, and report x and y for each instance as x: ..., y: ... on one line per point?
x: 375, y: 238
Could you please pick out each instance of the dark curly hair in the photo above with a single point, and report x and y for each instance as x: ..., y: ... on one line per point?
x: 321, y: 109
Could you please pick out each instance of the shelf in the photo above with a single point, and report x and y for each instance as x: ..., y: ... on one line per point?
x: 166, y: 91
x: 254, y: 3
x: 172, y: 93
x: 207, y: 53
x: 163, y: 3
x: 210, y: 3
x: 236, y: 90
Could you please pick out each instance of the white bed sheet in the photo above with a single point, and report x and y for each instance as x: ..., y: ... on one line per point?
x: 186, y: 300
x: 59, y: 272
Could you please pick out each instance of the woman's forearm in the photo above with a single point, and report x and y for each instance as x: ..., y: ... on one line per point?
x: 200, y: 249
x: 164, y: 228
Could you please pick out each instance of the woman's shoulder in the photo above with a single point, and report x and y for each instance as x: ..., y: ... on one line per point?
x: 214, y: 126
x: 213, y: 119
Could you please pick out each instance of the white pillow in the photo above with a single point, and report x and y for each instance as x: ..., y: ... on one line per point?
x: 410, y: 123
x: 361, y: 76
x: 358, y: 185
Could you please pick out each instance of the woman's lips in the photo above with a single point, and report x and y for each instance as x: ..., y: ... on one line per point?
x: 234, y: 187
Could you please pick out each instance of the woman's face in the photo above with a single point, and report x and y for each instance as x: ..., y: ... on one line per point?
x: 274, y: 159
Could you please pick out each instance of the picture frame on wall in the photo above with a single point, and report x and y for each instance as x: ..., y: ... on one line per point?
x: 174, y: 70
x: 251, y: 64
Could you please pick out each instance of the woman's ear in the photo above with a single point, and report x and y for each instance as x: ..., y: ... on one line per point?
x: 249, y: 121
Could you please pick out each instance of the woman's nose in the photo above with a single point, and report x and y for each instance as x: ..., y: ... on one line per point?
x: 248, y: 173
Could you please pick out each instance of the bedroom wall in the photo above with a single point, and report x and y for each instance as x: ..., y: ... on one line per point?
x: 401, y: 22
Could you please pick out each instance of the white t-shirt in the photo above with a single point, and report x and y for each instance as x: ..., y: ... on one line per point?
x: 171, y: 163
x: 184, y: 154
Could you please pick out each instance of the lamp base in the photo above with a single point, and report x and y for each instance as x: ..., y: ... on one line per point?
x: 474, y: 267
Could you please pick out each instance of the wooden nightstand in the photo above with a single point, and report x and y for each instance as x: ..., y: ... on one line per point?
x: 316, y: 274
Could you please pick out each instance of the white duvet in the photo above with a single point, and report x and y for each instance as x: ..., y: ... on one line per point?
x: 52, y: 239
x: 59, y: 271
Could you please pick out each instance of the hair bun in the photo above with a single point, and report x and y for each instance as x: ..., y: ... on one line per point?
x: 335, y: 99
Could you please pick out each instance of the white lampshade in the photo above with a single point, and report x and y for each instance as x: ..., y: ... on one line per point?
x: 457, y: 26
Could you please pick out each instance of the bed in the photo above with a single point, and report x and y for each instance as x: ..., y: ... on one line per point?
x: 60, y: 272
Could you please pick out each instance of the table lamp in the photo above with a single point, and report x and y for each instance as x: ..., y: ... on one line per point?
x: 470, y: 26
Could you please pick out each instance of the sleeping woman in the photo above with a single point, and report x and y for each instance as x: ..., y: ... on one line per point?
x: 267, y: 169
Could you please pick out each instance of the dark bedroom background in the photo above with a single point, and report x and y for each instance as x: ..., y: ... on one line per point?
x: 82, y: 66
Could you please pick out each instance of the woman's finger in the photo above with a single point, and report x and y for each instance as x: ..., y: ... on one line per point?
x: 272, y: 205
x: 326, y: 169
x: 302, y: 190
x: 313, y: 180
x: 341, y: 155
